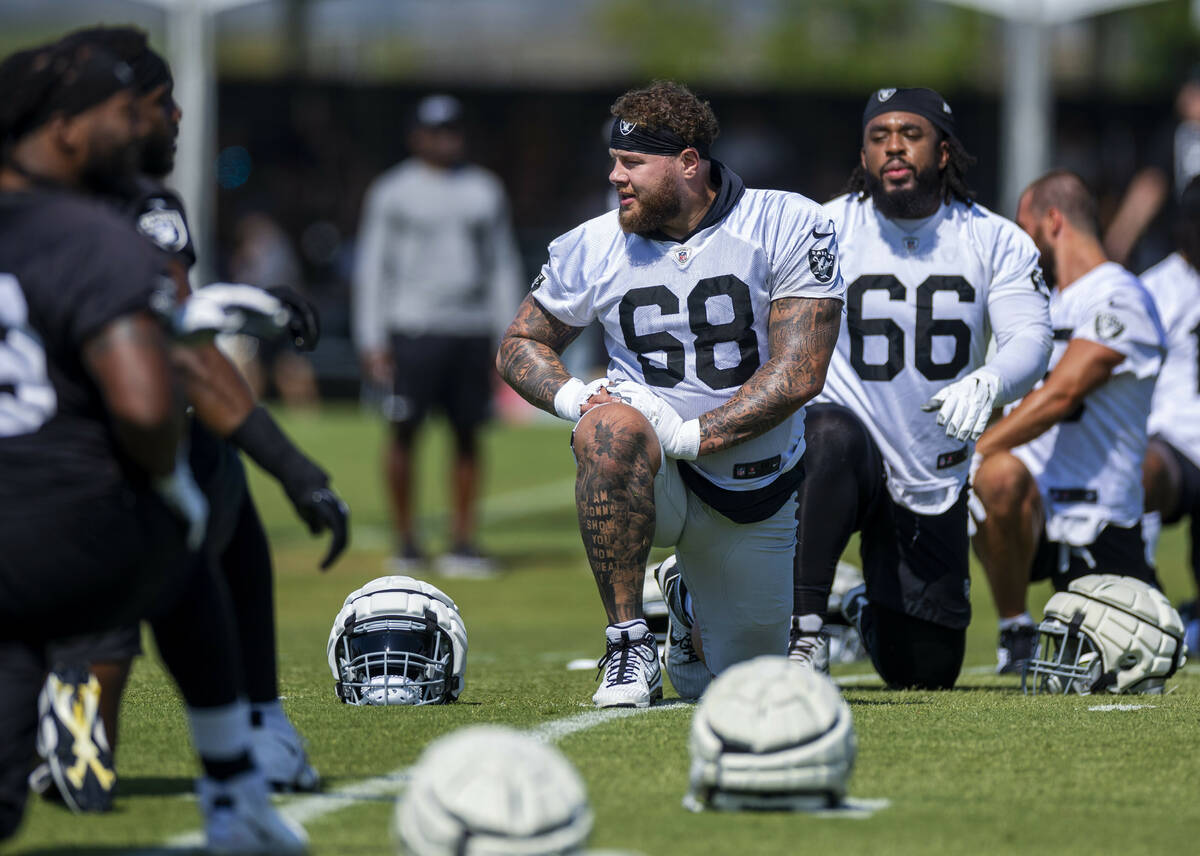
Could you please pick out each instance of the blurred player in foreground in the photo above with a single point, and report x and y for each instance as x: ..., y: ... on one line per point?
x: 102, y: 516
x: 227, y: 418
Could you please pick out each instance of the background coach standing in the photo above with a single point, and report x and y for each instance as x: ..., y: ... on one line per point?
x: 437, y: 276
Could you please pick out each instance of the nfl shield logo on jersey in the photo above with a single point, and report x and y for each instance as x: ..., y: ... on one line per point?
x: 820, y: 260
x: 682, y: 256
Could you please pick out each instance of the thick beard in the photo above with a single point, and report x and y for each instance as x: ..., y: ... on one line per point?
x: 1049, y: 273
x: 921, y: 200
x: 110, y: 167
x: 158, y: 155
x: 656, y: 206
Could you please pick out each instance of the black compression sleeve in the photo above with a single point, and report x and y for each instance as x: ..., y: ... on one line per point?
x: 261, y: 438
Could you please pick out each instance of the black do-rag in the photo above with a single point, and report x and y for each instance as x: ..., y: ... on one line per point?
x: 923, y: 102
x: 150, y: 71
x: 629, y: 136
x: 81, y: 79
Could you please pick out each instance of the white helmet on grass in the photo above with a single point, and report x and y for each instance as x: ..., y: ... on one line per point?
x: 398, y: 640
x: 1106, y: 633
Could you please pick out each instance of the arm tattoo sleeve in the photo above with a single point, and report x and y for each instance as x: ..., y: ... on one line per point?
x: 802, y: 333
x: 529, y: 354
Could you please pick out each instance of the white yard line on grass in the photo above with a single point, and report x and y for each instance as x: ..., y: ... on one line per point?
x: 309, y: 807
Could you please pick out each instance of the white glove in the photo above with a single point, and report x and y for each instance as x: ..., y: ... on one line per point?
x: 572, y: 395
x: 230, y: 308
x: 679, y: 439
x: 184, y: 497
x: 965, y: 406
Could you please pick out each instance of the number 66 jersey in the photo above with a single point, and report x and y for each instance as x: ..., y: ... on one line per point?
x: 688, y: 319
x: 923, y: 298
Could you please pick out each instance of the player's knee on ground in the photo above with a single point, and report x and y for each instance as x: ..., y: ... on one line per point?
x: 910, y: 653
x: 1003, y: 484
x: 840, y: 436
x: 615, y: 434
x: 744, y: 642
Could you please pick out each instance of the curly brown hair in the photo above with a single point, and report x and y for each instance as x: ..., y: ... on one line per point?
x: 670, y: 105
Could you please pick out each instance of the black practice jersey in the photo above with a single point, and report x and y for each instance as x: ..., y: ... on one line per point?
x: 68, y: 267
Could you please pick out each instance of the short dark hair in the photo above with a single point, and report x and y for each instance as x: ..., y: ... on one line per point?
x: 1069, y: 193
x: 954, y: 175
x: 665, y: 104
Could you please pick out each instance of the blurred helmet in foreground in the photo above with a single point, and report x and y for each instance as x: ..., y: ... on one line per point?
x: 770, y: 734
x: 488, y: 790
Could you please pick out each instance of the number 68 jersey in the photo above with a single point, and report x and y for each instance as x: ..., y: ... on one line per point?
x: 923, y: 299
x: 689, y: 319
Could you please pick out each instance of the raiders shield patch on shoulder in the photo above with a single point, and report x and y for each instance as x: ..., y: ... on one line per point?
x: 820, y: 262
x: 537, y: 282
x: 165, y: 227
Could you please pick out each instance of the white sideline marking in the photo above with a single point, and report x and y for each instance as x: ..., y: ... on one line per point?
x: 1108, y: 707
x: 309, y: 807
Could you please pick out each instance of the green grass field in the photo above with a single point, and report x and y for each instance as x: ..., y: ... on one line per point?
x: 979, y: 770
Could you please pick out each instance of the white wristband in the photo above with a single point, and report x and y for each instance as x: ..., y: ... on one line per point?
x: 688, y: 440
x: 566, y: 400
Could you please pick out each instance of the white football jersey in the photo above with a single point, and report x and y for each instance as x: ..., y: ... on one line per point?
x: 1175, y: 413
x: 922, y: 301
x: 689, y: 320
x: 1089, y: 466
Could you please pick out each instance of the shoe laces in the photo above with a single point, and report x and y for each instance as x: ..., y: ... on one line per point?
x: 684, y: 642
x: 804, y: 646
x: 622, y: 663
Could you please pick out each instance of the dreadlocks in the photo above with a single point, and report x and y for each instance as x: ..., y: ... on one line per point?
x: 954, y: 182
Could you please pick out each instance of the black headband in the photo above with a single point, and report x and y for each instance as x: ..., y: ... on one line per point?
x: 923, y: 102
x: 82, y: 83
x: 633, y: 137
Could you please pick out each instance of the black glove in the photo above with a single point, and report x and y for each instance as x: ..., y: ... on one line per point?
x: 323, y: 509
x: 305, y: 483
x: 305, y: 323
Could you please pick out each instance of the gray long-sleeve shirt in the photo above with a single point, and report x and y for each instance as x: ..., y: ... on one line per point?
x: 436, y: 254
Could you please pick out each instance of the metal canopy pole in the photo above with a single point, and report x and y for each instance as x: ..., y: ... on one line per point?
x: 1028, y: 111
